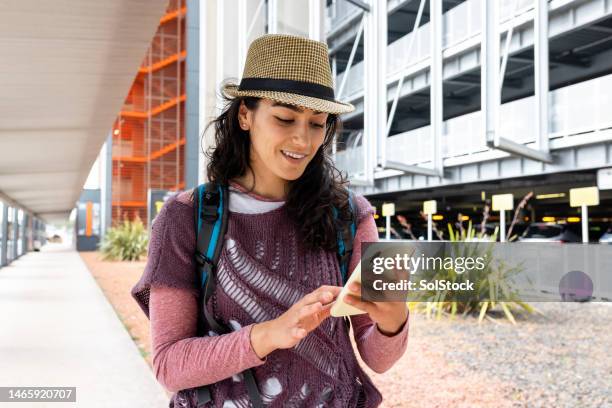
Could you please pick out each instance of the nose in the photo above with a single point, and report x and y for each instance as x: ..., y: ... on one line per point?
x: 300, y: 137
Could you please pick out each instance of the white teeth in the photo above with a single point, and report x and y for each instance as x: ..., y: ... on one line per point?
x: 294, y: 155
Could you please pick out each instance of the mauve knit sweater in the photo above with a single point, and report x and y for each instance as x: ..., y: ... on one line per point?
x: 181, y: 360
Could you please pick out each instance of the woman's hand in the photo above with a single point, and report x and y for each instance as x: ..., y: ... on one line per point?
x: 292, y: 326
x: 389, y: 316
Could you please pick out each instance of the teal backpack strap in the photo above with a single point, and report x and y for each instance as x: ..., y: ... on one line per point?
x: 211, y: 203
x: 346, y: 235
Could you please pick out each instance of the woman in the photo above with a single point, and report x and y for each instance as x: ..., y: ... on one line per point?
x: 278, y: 273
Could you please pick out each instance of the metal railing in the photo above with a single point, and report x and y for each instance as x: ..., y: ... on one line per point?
x: 460, y: 23
x: 574, y: 110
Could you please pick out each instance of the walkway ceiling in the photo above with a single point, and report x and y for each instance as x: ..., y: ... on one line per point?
x: 65, y: 69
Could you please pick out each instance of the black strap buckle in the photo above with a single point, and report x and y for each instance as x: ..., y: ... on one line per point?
x: 203, y: 260
x: 210, y: 206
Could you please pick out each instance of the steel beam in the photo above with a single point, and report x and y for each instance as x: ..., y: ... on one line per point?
x: 436, y: 84
x: 519, y: 149
x: 316, y: 19
x: 506, y: 54
x: 375, y: 59
x: 360, y: 4
x: 491, y: 90
x: 541, y: 74
x: 272, y: 11
x: 400, y: 83
x: 349, y: 64
x: 393, y: 165
x: 255, y: 17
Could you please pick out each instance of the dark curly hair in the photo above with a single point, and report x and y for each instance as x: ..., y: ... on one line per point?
x: 311, y: 197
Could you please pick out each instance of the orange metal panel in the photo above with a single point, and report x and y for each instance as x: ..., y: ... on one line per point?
x: 154, y: 155
x: 163, y: 63
x: 155, y: 111
x: 88, y: 219
x: 172, y: 15
x: 129, y: 203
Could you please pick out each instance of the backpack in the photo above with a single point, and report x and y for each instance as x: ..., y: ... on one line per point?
x: 211, y: 203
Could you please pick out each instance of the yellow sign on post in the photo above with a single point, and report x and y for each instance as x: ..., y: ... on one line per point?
x: 388, y: 209
x: 584, y: 196
x: 430, y: 207
x: 502, y: 202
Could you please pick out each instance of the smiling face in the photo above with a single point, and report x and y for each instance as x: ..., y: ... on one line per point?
x: 284, y: 139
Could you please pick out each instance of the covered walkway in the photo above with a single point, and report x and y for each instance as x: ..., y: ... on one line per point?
x: 58, y: 329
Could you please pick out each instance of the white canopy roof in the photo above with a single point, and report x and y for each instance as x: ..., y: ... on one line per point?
x: 66, y: 67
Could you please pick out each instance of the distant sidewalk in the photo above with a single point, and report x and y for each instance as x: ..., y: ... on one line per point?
x: 58, y: 329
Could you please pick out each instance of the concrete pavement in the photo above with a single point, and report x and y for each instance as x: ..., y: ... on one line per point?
x: 58, y: 329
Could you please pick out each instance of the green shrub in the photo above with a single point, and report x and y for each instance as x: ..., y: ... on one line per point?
x: 494, y: 281
x: 125, y: 242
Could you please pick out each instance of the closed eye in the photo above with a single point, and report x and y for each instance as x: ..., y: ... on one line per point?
x: 284, y: 120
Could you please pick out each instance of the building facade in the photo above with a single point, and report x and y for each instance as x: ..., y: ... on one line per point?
x: 148, y: 136
x: 458, y: 100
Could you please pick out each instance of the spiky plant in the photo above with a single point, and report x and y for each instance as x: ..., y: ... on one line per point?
x: 492, y: 282
x: 125, y: 242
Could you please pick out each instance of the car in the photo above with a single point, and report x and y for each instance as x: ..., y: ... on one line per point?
x: 36, y: 244
x: 56, y: 239
x: 546, y: 232
x: 606, y: 238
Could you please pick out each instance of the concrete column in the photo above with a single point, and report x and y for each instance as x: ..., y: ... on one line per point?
x: 375, y: 96
x: 219, y: 39
x: 106, y: 185
x: 15, y: 236
x: 489, y: 57
x: 207, y: 80
x: 192, y: 89
x: 25, y: 229
x: 4, y: 238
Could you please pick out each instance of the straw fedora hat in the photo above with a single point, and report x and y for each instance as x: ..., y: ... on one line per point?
x: 289, y: 69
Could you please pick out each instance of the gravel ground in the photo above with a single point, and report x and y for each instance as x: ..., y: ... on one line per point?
x: 559, y: 359
x: 425, y: 378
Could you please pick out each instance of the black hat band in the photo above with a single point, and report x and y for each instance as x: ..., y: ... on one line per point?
x: 287, y: 85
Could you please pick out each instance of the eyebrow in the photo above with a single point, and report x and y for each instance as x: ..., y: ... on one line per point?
x: 293, y: 107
